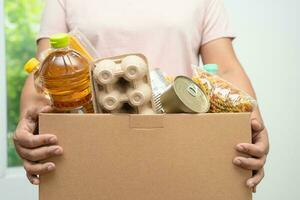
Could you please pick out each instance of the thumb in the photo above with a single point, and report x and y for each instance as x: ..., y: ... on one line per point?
x: 256, y: 125
x: 46, y: 109
x: 33, y: 112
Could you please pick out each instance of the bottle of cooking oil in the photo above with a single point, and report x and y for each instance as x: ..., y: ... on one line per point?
x: 65, y: 77
x: 33, y: 66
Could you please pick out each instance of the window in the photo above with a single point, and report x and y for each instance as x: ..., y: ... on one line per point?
x: 19, y: 23
x: 21, y: 27
x: 2, y: 97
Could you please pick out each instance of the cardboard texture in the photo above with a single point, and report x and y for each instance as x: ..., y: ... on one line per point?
x: 146, y: 157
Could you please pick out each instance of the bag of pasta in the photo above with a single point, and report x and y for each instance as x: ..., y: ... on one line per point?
x: 224, y: 97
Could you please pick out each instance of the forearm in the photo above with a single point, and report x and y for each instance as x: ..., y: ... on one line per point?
x: 221, y: 52
x: 30, y: 98
x: 237, y: 76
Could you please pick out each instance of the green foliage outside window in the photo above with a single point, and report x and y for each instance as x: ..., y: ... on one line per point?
x: 22, y: 19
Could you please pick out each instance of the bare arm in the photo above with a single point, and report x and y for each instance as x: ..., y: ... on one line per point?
x: 29, y: 96
x: 34, y: 148
x: 221, y: 52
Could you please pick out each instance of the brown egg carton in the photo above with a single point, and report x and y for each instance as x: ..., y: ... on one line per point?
x: 122, y: 85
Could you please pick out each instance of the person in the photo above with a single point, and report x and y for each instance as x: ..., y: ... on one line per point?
x: 172, y: 34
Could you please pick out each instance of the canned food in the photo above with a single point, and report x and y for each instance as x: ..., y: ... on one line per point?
x: 183, y: 96
x: 158, y: 81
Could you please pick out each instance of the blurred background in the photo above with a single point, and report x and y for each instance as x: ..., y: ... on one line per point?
x: 267, y: 44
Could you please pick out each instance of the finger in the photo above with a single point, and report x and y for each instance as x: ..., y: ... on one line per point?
x: 255, y: 180
x: 256, y: 125
x: 257, y: 150
x: 33, y: 179
x: 31, y: 116
x: 28, y: 140
x: 40, y: 153
x: 254, y: 189
x: 34, y: 112
x: 250, y: 163
x: 46, y: 109
x: 34, y: 169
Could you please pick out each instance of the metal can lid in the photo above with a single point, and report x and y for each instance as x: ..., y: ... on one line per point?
x: 191, y: 94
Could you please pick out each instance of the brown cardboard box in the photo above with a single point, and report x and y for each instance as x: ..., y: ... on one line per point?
x: 140, y: 157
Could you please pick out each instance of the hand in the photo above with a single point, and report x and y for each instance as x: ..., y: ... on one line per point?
x: 257, y: 151
x: 34, y: 148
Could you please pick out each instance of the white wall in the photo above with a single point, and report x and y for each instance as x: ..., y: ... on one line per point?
x: 268, y: 46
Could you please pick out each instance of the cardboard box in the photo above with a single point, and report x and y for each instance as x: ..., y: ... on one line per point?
x: 146, y: 157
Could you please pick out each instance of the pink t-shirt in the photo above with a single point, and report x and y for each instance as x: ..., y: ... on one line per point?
x: 168, y: 32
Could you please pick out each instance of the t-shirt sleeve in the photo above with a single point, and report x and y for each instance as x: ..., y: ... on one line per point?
x: 53, y: 19
x: 216, y: 22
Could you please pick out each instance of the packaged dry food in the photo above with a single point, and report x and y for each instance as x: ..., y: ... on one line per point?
x: 80, y: 43
x: 224, y: 97
x: 122, y: 85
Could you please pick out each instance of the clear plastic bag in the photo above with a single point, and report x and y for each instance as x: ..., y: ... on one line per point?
x: 80, y: 43
x: 224, y: 97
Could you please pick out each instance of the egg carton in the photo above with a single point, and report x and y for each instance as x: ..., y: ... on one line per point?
x: 122, y: 85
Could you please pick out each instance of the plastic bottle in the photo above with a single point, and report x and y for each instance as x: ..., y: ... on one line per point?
x: 75, y: 44
x: 33, y: 66
x: 211, y: 68
x: 65, y: 77
x: 43, y: 55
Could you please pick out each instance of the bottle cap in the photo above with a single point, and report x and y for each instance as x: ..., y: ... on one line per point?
x: 211, y: 68
x: 60, y: 40
x: 31, y: 64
